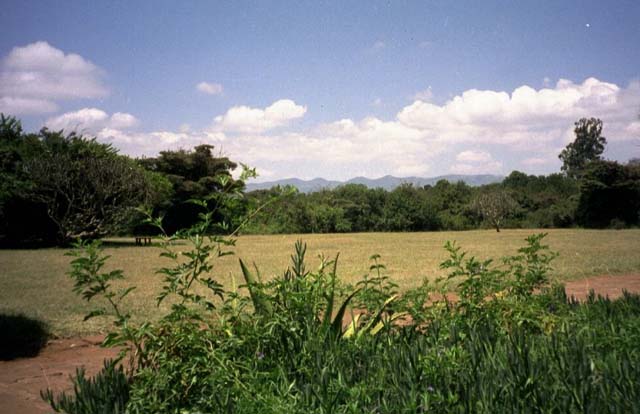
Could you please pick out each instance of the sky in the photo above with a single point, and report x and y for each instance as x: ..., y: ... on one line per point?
x: 331, y: 89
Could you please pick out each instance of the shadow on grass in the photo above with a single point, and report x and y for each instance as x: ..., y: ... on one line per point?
x: 122, y: 243
x: 125, y: 243
x: 22, y: 337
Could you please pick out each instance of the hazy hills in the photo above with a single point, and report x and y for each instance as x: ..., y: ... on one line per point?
x: 387, y: 182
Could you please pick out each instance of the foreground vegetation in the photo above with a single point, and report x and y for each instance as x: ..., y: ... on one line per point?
x: 306, y: 343
x: 34, y: 282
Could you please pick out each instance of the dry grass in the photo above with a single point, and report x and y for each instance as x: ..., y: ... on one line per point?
x: 35, y: 282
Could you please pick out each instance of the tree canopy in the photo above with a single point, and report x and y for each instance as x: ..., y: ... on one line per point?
x: 196, y: 174
x: 587, y: 147
x: 67, y: 182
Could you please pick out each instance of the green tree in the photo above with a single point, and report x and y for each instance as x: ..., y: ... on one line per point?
x: 450, y: 200
x: 545, y: 201
x: 196, y: 174
x: 587, y: 147
x: 609, y: 193
x: 407, y: 209
x: 88, y: 189
x: 55, y: 187
x: 495, y: 206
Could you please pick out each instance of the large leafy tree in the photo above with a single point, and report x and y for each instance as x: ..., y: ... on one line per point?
x: 88, y: 189
x: 451, y: 201
x: 609, y: 194
x: 196, y: 174
x: 545, y: 201
x: 57, y: 187
x: 22, y: 221
x: 407, y: 209
x: 587, y: 147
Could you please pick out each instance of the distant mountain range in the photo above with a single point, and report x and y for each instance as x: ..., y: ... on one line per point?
x: 388, y: 182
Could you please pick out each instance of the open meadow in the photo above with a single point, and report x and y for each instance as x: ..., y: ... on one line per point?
x: 34, y: 282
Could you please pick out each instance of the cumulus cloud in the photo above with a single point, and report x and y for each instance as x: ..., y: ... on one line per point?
x: 633, y: 129
x: 209, y: 88
x: 474, y: 156
x: 525, y: 129
x: 26, y: 106
x: 368, y: 147
x: 476, y: 162
x: 122, y: 120
x: 424, y: 95
x: 91, y: 121
x: 526, y: 116
x: 35, y: 76
x: 141, y: 144
x: 494, y: 167
x: 245, y: 119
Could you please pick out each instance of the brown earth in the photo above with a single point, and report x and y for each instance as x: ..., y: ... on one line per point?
x: 21, y: 380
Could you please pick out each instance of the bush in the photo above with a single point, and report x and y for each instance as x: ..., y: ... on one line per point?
x: 105, y: 393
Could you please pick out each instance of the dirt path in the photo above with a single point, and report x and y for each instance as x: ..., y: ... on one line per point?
x: 21, y: 380
x: 611, y: 286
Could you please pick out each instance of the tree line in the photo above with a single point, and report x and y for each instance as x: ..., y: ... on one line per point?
x: 589, y: 192
x: 56, y: 187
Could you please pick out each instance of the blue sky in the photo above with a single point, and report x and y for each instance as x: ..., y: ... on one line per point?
x: 330, y: 89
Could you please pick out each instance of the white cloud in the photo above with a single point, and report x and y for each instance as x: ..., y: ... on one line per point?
x: 536, y: 161
x: 245, y: 119
x: 476, y: 162
x: 527, y: 127
x: 376, y: 102
x: 424, y: 95
x: 149, y: 144
x: 522, y: 117
x: 633, y: 129
x: 494, y: 167
x: 209, y: 88
x: 34, y: 77
x: 26, y: 106
x: 474, y: 156
x: 91, y: 120
x: 122, y: 120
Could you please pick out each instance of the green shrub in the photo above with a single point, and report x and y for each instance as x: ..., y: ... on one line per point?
x: 105, y: 393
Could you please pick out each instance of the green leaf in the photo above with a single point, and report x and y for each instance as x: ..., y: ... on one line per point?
x: 93, y: 314
x: 336, y: 326
x: 260, y: 304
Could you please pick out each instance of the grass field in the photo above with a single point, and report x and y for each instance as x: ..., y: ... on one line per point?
x: 34, y: 282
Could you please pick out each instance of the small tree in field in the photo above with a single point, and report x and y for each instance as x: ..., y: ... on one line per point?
x: 587, y: 147
x: 495, y: 207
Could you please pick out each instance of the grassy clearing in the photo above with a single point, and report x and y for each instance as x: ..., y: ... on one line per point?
x: 34, y: 282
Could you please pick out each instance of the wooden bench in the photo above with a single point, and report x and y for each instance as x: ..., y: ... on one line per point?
x: 140, y: 240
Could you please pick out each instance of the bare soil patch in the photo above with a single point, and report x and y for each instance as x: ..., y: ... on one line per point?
x: 606, y: 285
x: 21, y: 380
